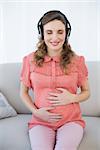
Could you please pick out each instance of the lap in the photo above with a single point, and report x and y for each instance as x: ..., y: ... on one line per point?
x: 69, y: 136
x: 66, y: 137
x: 42, y: 137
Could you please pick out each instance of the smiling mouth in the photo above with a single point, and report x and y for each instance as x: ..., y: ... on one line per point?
x: 54, y: 43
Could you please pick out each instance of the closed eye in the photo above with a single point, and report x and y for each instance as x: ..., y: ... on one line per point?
x: 60, y: 31
x: 49, y: 32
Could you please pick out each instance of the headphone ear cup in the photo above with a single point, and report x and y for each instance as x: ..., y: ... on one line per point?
x: 68, y: 27
x: 40, y: 29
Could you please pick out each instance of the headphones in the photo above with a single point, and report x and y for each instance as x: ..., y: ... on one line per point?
x: 55, y: 14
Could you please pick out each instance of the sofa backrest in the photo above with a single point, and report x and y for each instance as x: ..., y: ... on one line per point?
x: 91, y: 107
x: 10, y: 87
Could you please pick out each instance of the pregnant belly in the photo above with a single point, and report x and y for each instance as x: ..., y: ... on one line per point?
x: 68, y: 114
x: 41, y: 99
x: 65, y: 110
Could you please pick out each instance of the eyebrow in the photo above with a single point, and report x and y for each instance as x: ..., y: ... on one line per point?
x: 51, y: 30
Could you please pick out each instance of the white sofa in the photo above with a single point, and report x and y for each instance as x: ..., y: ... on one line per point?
x: 14, y: 130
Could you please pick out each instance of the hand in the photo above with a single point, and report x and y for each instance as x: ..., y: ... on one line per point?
x: 62, y: 98
x: 45, y: 115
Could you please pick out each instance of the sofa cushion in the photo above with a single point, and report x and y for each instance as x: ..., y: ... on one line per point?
x: 91, y: 134
x: 14, y: 133
x: 6, y: 110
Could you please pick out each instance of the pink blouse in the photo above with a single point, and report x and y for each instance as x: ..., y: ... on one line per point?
x: 49, y: 77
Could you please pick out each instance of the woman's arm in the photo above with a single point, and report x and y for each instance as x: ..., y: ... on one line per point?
x: 84, y: 94
x: 65, y: 97
x: 26, y: 98
x: 41, y: 113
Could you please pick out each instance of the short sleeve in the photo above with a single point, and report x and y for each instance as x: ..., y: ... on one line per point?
x: 82, y: 71
x: 25, y: 72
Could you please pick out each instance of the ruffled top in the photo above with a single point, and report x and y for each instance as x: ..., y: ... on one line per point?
x: 49, y: 77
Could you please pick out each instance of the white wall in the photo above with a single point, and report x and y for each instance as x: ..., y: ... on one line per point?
x: 18, y: 27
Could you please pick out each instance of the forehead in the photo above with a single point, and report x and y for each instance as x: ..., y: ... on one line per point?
x: 54, y: 25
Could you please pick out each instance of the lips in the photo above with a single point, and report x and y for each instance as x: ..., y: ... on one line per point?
x: 54, y: 43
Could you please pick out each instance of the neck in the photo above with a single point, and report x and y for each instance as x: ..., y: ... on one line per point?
x: 54, y: 53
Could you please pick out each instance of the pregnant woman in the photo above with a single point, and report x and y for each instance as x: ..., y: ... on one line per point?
x: 54, y: 72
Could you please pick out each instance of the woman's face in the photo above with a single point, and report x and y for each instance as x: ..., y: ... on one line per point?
x: 54, y: 35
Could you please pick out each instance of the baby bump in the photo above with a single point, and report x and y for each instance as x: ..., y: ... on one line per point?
x: 41, y: 99
x: 65, y: 111
x: 68, y: 113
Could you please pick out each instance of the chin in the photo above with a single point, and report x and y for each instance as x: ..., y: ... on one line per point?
x: 56, y: 48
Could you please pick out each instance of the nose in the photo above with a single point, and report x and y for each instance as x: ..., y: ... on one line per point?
x: 54, y: 36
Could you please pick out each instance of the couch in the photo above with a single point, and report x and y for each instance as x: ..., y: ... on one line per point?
x: 14, y: 130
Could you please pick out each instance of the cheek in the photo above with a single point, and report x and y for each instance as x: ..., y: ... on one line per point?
x: 46, y: 37
x: 62, y: 38
x: 46, y: 40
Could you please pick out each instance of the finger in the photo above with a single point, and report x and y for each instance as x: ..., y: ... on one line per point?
x: 61, y: 89
x: 56, y: 104
x: 52, y: 98
x: 49, y: 108
x: 55, y: 117
x: 54, y: 114
x: 53, y: 94
x: 52, y: 101
x: 53, y: 120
